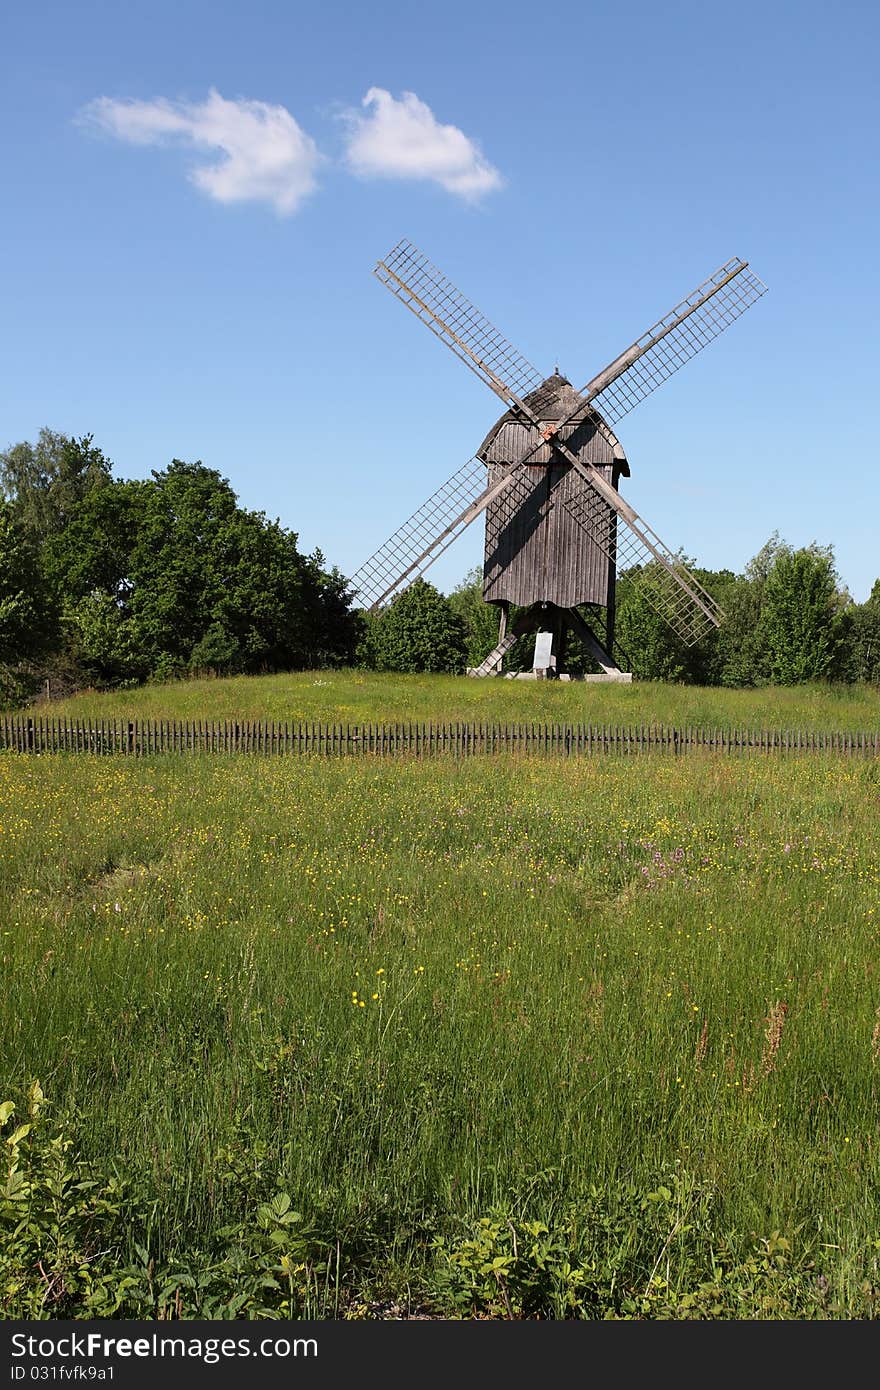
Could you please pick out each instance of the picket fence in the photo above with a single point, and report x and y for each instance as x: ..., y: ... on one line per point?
x: 145, y: 737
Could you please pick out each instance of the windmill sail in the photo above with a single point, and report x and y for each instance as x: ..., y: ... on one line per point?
x: 661, y: 574
x: 457, y: 322
x: 674, y: 340
x: 662, y: 577
x: 442, y: 518
x: 430, y: 530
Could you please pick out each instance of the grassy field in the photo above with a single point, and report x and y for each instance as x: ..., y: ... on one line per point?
x: 360, y: 696
x: 508, y: 1038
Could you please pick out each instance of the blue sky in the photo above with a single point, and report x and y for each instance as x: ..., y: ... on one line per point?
x: 187, y: 275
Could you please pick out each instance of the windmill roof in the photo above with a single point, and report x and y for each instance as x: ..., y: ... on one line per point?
x: 553, y: 400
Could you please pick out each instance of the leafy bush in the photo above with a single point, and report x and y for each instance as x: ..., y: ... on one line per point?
x: 480, y: 618
x: 630, y: 1255
x: 419, y: 631
x: 78, y: 1243
x: 75, y: 1243
x: 799, y: 625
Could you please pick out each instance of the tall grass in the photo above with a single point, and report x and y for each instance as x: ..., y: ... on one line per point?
x: 414, y: 995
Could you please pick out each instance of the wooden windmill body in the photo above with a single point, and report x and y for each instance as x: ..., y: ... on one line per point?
x: 546, y: 476
x: 537, y: 554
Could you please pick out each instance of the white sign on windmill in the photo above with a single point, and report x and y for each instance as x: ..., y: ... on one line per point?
x: 544, y: 663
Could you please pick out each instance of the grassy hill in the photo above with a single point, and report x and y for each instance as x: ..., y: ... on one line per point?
x: 362, y: 696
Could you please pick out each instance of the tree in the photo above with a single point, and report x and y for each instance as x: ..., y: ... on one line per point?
x: 89, y: 564
x: 26, y: 611
x: 647, y: 644
x: 799, y: 628
x: 184, y: 563
x: 28, y: 616
x: 331, y: 631
x: 217, y: 651
x: 94, y: 550
x: 864, y: 639
x: 420, y: 631
x: 169, y: 575
x: 201, y: 563
x: 741, y: 655
x: 480, y: 618
x: 45, y: 481
x: 103, y: 640
x: 736, y: 660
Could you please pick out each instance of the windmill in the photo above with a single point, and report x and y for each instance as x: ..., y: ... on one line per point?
x: 546, y: 476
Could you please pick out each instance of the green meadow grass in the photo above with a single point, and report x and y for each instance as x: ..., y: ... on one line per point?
x: 362, y: 696
x: 512, y: 1037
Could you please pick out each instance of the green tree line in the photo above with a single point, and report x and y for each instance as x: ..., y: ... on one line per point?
x: 111, y: 582
x: 787, y: 621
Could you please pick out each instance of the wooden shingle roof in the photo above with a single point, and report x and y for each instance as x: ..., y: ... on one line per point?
x: 553, y: 400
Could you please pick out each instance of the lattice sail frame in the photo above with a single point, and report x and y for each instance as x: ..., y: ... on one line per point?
x: 674, y: 340
x: 663, y: 579
x: 660, y: 574
x: 442, y: 518
x: 417, y: 543
x: 432, y: 529
x: 458, y: 323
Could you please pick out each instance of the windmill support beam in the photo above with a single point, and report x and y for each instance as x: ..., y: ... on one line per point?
x: 582, y: 629
x: 507, y: 637
x: 537, y: 619
x: 611, y: 609
x: 560, y: 641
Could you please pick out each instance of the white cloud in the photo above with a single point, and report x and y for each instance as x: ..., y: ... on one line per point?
x: 265, y: 156
x: 404, y: 140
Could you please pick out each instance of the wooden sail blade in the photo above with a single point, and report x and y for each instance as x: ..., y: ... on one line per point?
x: 430, y: 531
x: 679, y: 336
x: 457, y: 322
x: 636, y: 550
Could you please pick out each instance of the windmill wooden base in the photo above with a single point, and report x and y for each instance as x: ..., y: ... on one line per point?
x: 552, y: 626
